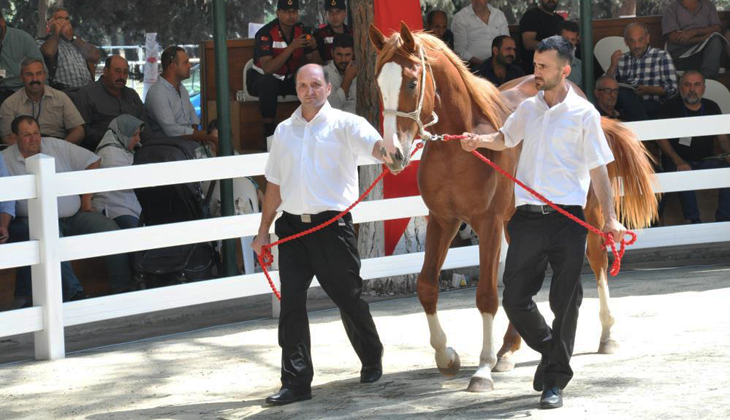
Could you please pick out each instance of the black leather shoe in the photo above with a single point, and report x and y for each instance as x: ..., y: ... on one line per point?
x: 539, y: 379
x: 288, y: 396
x: 370, y: 374
x: 551, y: 398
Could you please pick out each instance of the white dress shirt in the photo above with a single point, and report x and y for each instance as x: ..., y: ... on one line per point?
x: 338, y: 99
x: 472, y: 38
x: 315, y: 162
x: 561, y: 145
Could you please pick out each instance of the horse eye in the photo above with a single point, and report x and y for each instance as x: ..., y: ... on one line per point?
x: 413, y: 85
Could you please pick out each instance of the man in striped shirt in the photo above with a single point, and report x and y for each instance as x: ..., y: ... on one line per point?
x: 646, y: 75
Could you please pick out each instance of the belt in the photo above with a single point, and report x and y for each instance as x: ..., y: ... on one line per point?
x: 316, y: 218
x: 544, y: 209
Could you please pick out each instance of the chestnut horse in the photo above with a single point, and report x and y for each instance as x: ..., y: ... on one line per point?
x: 422, y: 84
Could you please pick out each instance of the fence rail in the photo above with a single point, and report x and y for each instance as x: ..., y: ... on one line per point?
x: 46, y: 249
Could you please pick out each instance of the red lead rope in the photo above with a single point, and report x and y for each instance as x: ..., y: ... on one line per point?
x: 266, y: 258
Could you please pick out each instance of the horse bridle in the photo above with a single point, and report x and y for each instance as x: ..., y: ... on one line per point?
x: 416, y: 114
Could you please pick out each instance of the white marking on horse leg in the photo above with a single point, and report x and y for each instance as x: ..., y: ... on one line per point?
x: 482, y: 379
x: 607, y: 345
x: 446, y: 358
x: 389, y: 81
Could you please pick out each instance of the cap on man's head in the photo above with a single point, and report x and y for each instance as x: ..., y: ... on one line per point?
x: 334, y: 4
x: 287, y: 5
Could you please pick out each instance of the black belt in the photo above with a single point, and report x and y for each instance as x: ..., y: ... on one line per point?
x: 316, y: 218
x: 544, y: 209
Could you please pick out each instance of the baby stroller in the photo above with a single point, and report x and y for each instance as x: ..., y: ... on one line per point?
x: 170, y: 204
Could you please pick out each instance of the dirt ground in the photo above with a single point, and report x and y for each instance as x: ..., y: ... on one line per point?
x: 674, y: 362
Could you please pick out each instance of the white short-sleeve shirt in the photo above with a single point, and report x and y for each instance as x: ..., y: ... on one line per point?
x: 68, y: 158
x: 561, y: 145
x: 472, y: 37
x: 315, y: 162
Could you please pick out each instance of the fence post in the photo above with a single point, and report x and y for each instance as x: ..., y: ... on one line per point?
x: 43, y: 221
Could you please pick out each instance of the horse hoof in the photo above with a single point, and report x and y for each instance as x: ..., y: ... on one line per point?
x: 608, y: 347
x: 480, y: 385
x: 451, y: 370
x: 504, y: 365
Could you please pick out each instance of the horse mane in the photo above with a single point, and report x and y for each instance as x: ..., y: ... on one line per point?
x: 483, y: 93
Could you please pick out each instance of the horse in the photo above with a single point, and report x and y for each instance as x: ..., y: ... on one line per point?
x: 423, y: 84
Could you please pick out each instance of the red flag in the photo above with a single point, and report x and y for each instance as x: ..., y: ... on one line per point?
x: 388, y: 16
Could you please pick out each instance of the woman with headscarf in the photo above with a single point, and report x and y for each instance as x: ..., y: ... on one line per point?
x: 117, y: 149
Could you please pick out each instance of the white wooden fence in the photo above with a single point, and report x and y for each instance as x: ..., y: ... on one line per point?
x: 45, y: 250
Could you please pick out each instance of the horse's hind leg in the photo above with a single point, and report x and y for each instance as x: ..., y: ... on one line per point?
x: 439, y: 234
x: 490, y: 241
x: 598, y: 259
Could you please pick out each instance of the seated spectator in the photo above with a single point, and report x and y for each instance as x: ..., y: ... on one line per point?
x: 169, y: 110
x: 569, y: 30
x: 16, y: 45
x: 117, y: 149
x: 53, y: 109
x: 104, y: 100
x: 437, y: 24
x: 336, y: 13
x: 537, y: 24
x: 691, y: 153
x: 342, y: 74
x: 280, y: 49
x: 688, y: 23
x: 76, y: 215
x: 70, y: 59
x: 16, y: 230
x: 606, y: 93
x: 499, y: 69
x: 646, y: 75
x: 474, y: 28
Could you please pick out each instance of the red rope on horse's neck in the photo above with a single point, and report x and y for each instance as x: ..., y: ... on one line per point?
x: 266, y: 258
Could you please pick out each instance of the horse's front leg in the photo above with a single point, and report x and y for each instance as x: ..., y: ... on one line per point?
x: 489, y: 230
x: 439, y: 234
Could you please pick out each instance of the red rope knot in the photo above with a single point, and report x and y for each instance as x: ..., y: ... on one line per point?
x: 266, y: 258
x: 618, y: 254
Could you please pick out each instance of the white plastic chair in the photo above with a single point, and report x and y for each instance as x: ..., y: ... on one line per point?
x: 717, y: 92
x: 244, y: 96
x: 605, y: 47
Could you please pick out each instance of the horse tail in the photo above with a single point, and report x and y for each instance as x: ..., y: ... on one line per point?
x: 633, y: 172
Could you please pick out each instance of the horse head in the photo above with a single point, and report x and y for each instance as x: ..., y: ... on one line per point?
x: 407, y: 90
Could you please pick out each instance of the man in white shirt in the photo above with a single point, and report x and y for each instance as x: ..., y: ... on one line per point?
x: 76, y: 216
x: 343, y: 74
x: 312, y: 177
x: 474, y: 28
x: 564, y: 150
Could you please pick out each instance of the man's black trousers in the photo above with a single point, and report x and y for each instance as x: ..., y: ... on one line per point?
x: 331, y: 255
x: 537, y: 240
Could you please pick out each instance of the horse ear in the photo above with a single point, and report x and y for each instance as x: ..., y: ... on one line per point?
x: 376, y: 37
x: 405, y: 33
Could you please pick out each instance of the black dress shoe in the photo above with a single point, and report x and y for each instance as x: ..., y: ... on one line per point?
x: 288, y: 396
x: 537, y: 381
x: 370, y: 374
x: 551, y: 398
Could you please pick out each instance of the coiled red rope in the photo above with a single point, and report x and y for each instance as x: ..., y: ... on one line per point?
x: 266, y: 258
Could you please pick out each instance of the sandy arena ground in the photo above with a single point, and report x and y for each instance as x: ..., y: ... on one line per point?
x: 674, y: 362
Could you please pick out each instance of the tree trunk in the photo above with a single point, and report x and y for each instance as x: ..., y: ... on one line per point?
x: 42, y: 9
x: 628, y: 8
x: 371, y: 235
